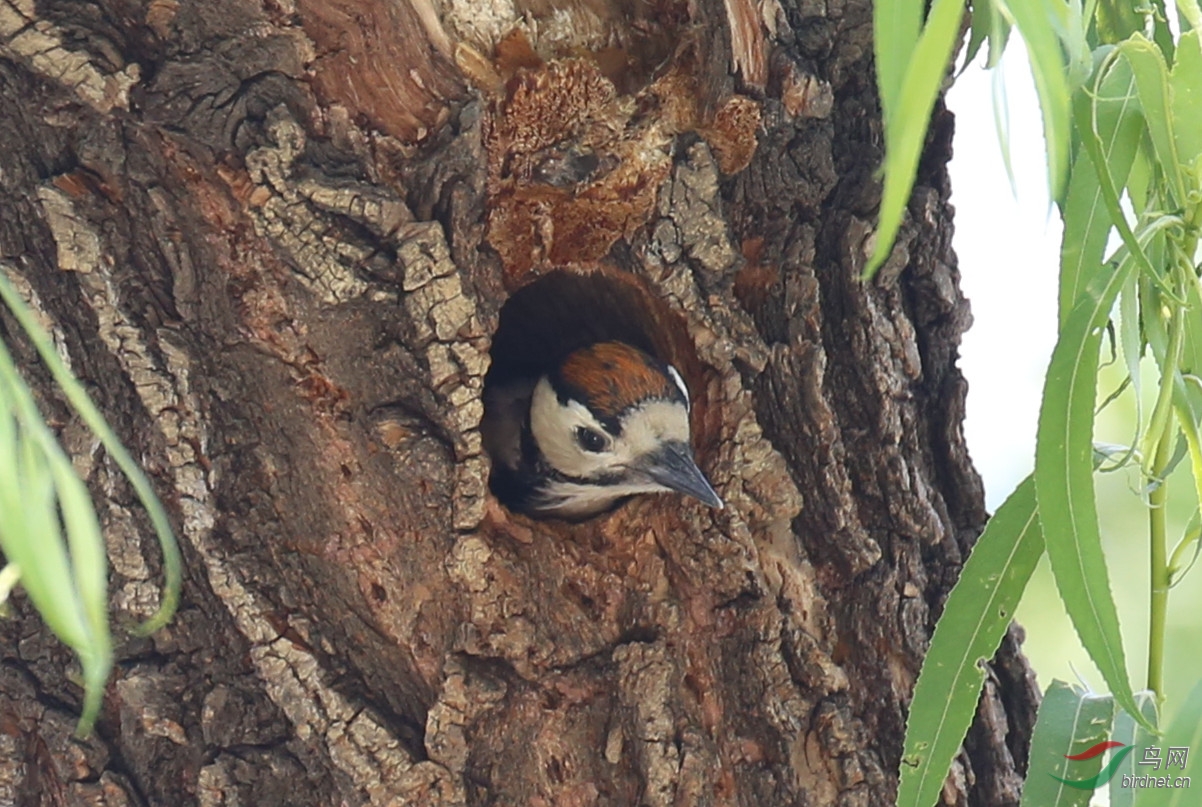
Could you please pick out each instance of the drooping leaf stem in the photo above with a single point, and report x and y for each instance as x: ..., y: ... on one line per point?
x: 1158, y: 449
x: 1158, y: 558
x: 1190, y: 11
x: 1158, y: 433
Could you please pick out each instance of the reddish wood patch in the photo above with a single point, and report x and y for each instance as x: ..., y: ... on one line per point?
x: 369, y: 62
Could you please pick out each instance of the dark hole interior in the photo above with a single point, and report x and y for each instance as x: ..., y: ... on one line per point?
x: 562, y: 311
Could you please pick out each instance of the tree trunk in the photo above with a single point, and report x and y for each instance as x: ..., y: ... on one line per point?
x: 276, y: 241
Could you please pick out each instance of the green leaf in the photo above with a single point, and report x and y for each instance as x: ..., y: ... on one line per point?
x: 1038, y: 21
x: 84, y: 538
x: 1142, y: 177
x: 41, y: 495
x: 1064, y: 482
x: 1152, y: 79
x: 1132, y: 342
x: 89, y: 564
x: 1184, y: 732
x: 1117, y: 20
x: 987, y: 24
x: 1191, y: 538
x: 37, y: 485
x: 1187, y: 396
x: 1133, y: 247
x: 1069, y: 722
x: 1087, y: 220
x: 1185, y: 85
x: 1162, y: 35
x: 907, y: 111
x: 1128, y: 732
x: 90, y: 414
x: 981, y: 21
x: 29, y: 531
x: 978, y: 612
x: 897, y: 24
x: 1191, y: 349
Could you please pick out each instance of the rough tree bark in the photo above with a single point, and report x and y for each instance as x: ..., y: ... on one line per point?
x: 275, y: 239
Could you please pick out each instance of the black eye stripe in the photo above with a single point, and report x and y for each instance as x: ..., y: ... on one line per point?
x: 612, y: 425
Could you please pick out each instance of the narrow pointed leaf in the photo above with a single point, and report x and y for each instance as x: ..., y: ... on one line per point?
x: 1064, y: 482
x: 976, y: 617
x: 1070, y: 722
x: 1087, y: 219
x: 1117, y: 20
x: 29, y: 534
x: 1152, y: 79
x: 1131, y: 342
x: 90, y: 414
x: 987, y: 24
x: 980, y: 23
x: 1091, y: 145
x: 898, y: 23
x: 1185, y: 731
x: 1187, y: 397
x: 89, y: 564
x: 906, y: 119
x: 1185, y: 84
x: 1038, y: 22
x: 1001, y: 124
x: 1128, y: 732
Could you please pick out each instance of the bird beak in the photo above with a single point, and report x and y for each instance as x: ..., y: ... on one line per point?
x: 673, y: 468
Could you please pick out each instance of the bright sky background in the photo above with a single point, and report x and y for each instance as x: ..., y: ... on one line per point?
x: 1008, y: 249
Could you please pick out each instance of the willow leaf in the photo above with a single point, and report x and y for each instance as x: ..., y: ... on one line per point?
x: 975, y: 619
x: 1064, y: 482
x: 1069, y: 722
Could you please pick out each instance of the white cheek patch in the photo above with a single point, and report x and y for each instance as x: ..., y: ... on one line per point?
x: 580, y: 414
x: 554, y: 426
x: 676, y: 377
x: 645, y: 429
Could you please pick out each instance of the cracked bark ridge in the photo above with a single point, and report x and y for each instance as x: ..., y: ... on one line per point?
x: 276, y: 248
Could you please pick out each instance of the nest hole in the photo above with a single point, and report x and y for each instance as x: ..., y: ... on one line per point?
x: 565, y: 310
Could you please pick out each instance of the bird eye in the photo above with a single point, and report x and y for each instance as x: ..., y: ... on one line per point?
x: 590, y: 440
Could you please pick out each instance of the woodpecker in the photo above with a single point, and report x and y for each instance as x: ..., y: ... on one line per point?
x: 606, y: 423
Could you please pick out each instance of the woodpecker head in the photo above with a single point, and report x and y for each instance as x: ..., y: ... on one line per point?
x: 611, y: 422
